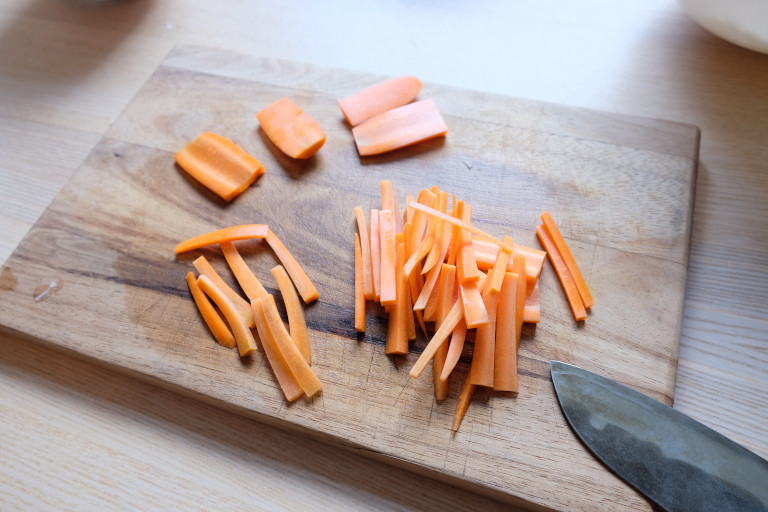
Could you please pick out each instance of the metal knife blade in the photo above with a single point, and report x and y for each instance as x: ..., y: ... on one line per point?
x: 676, y: 462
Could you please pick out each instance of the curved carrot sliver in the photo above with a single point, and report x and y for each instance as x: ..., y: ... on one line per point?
x: 397, y: 330
x: 398, y: 128
x: 297, y: 324
x: 300, y: 369
x: 229, y: 234
x: 570, y: 261
x: 248, y: 281
x: 241, y: 305
x: 379, y: 98
x: 280, y: 368
x: 243, y: 336
x: 219, y: 164
x: 566, y: 280
x: 518, y: 267
x: 444, y: 303
x: 291, y: 129
x: 455, y: 347
x: 300, y: 279
x: 212, y: 319
x: 440, y: 336
x: 462, y: 405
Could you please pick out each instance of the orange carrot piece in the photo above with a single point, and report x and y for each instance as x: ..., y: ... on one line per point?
x: 241, y: 305
x: 291, y: 129
x: 445, y: 302
x: 566, y: 280
x: 376, y: 254
x: 397, y: 335
x: 277, y: 362
x: 387, y: 196
x: 379, y: 98
x: 212, y: 319
x: 440, y: 336
x: 518, y: 267
x: 570, y: 261
x: 486, y: 252
x: 433, y: 274
x: 300, y: 369
x: 481, y: 369
x: 297, y: 324
x: 245, y: 277
x: 436, y: 251
x: 399, y: 127
x: 230, y: 234
x: 300, y: 279
x: 505, y: 356
x: 455, y: 347
x: 359, y: 287
x: 458, y: 222
x: 462, y: 405
x: 388, y: 250
x: 365, y: 247
x: 475, y: 312
x: 243, y: 336
x: 532, y: 312
x: 496, y: 275
x: 467, y: 265
x: 219, y: 164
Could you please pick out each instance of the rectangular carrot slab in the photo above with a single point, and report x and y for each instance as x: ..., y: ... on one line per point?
x: 620, y: 189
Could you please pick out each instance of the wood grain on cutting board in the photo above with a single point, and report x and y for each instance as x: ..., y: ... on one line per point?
x: 620, y: 187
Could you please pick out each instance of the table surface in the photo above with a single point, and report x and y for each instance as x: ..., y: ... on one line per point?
x: 77, y: 436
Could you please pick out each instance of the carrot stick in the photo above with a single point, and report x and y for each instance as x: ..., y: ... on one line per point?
x: 505, y: 356
x: 229, y: 234
x: 455, y: 348
x: 462, y: 405
x: 240, y: 304
x: 518, y: 267
x: 300, y: 279
x: 365, y: 246
x: 297, y: 324
x: 291, y: 129
x: 399, y: 127
x: 486, y: 252
x: 379, y: 98
x: 481, y: 370
x: 359, y: 287
x: 570, y: 262
x: 496, y: 275
x: 245, y: 342
x: 532, y: 312
x: 435, y: 252
x: 387, y: 196
x: 566, y: 280
x: 277, y: 362
x: 440, y: 336
x: 445, y: 302
x: 248, y: 282
x: 467, y: 265
x: 458, y: 222
x: 300, y: 369
x: 397, y: 335
x: 475, y: 312
x: 212, y: 319
x: 219, y: 164
x: 376, y: 254
x: 388, y: 250
x: 433, y: 274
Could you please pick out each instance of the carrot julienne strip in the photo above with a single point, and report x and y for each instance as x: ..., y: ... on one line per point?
x: 297, y: 324
x: 376, y: 254
x: 434, y: 255
x: 365, y: 247
x: 301, y: 370
x: 570, y: 261
x: 445, y: 302
x: 277, y: 362
x: 230, y: 234
x: 242, y: 333
x: 566, y: 280
x: 212, y: 319
x: 505, y: 357
x: 440, y: 336
x: 300, y: 279
x: 518, y: 267
x: 240, y: 304
x: 359, y: 287
x: 457, y: 222
x: 387, y: 236
x: 462, y: 405
x: 455, y: 347
x: 245, y: 277
x: 481, y: 369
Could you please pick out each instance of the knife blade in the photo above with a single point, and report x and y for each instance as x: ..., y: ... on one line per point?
x: 673, y: 460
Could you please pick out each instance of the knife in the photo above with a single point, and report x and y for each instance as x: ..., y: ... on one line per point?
x: 674, y: 461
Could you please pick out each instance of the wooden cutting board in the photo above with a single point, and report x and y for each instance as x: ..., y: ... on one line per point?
x: 620, y: 187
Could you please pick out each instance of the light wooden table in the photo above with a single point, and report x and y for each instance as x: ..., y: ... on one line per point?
x: 74, y: 436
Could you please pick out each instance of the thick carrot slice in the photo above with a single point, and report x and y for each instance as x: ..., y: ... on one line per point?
x: 243, y: 336
x: 300, y: 369
x: 245, y: 277
x: 300, y: 279
x: 212, y: 319
x: 505, y: 355
x: 376, y: 254
x: 481, y: 370
x: 379, y: 98
x: 566, y: 280
x: 219, y: 164
x: 570, y: 262
x: 297, y: 324
x: 365, y: 247
x: 462, y: 405
x: 388, y: 249
x: 486, y: 252
x: 359, y: 287
x: 399, y: 127
x: 229, y: 234
x: 432, y: 276
x: 440, y: 336
x: 277, y: 362
x: 455, y: 347
x: 240, y: 304
x: 458, y: 222
x: 291, y: 129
